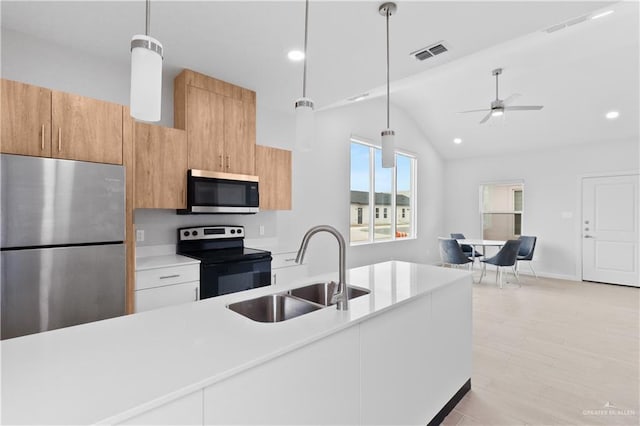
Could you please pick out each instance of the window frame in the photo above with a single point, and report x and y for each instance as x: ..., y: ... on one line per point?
x: 373, y: 210
x: 511, y: 211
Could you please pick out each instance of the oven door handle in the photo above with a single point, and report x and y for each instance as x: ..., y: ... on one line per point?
x: 237, y: 262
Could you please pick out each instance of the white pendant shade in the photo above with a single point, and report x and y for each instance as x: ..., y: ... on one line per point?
x: 388, y: 147
x: 305, y: 126
x: 146, y: 78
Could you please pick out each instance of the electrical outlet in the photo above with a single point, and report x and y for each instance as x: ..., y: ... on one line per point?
x: 140, y: 235
x: 261, y: 230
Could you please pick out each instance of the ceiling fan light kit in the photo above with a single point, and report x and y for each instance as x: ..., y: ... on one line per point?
x: 388, y: 135
x: 146, y: 75
x: 305, y: 126
x: 500, y: 106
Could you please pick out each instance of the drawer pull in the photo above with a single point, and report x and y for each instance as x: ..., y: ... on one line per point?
x: 291, y: 259
x: 170, y: 276
x: 42, y: 138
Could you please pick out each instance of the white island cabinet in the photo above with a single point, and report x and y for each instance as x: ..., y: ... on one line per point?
x: 399, y: 355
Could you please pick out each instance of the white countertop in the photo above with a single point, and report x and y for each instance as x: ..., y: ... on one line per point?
x: 110, y: 370
x: 154, y: 262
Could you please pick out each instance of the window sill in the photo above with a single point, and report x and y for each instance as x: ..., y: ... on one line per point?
x: 365, y: 243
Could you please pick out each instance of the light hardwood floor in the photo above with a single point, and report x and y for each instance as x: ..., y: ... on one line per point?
x: 553, y: 352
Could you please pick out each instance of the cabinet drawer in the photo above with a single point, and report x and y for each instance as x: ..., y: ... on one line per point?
x: 166, y: 276
x: 153, y: 298
x: 283, y: 260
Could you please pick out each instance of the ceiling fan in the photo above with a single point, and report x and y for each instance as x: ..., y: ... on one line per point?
x: 499, y: 106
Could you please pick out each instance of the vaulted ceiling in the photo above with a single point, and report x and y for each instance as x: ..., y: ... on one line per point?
x: 577, y: 73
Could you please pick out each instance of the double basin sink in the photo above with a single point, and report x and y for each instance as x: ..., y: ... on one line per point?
x: 293, y: 303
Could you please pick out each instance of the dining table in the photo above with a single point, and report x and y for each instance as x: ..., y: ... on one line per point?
x: 474, y: 243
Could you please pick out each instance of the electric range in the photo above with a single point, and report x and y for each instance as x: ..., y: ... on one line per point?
x: 226, y: 265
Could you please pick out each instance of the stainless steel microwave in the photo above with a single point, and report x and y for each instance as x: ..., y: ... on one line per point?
x: 216, y: 192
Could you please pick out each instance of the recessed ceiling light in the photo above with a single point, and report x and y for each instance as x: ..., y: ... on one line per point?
x: 296, y: 55
x: 457, y: 141
x: 602, y: 14
x: 612, y: 115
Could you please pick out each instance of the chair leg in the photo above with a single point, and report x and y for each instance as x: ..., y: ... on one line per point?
x: 500, y: 273
x: 497, y: 273
x: 534, y: 272
x: 484, y: 271
x: 515, y: 273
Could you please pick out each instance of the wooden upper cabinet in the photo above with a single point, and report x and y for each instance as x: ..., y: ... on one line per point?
x: 205, y: 129
x: 238, y: 146
x: 160, y: 167
x: 273, y: 166
x: 26, y: 119
x: 220, y: 120
x: 86, y: 129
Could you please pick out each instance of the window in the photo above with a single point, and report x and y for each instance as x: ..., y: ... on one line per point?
x: 374, y: 188
x: 502, y: 207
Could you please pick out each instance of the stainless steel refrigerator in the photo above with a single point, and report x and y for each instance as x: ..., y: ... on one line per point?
x: 62, y: 231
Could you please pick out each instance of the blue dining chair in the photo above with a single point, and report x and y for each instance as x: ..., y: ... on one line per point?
x: 451, y: 253
x: 506, y: 257
x: 466, y: 248
x: 525, y: 253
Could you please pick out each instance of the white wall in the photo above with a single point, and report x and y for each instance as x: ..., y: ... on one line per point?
x: 320, y: 178
x: 321, y: 191
x: 551, y: 193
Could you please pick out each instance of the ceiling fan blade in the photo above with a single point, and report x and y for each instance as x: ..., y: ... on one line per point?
x: 473, y: 110
x: 511, y: 98
x: 486, y: 117
x: 524, y: 108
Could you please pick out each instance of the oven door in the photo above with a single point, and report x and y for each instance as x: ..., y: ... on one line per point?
x: 223, y: 278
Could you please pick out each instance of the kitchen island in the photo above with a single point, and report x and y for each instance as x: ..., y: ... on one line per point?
x: 399, y: 355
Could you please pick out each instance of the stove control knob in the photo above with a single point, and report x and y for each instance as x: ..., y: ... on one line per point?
x: 194, y: 233
x: 239, y: 231
x: 233, y: 231
x: 186, y: 233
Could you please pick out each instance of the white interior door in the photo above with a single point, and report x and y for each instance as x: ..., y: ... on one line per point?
x: 610, y: 229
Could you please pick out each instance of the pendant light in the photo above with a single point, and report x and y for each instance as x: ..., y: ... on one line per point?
x: 388, y: 135
x: 304, y: 105
x: 146, y: 74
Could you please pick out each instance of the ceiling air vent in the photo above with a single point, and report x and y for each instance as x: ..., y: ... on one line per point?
x: 429, y: 51
x: 566, y: 24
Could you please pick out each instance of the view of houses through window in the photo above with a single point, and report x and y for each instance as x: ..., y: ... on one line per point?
x: 382, y: 200
x: 502, y: 207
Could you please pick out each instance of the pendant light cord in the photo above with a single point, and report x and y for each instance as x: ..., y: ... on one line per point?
x: 387, y: 68
x: 306, y: 31
x: 147, y: 23
x: 497, y: 86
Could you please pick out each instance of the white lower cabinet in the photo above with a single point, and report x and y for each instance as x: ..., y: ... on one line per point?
x: 158, y: 297
x: 159, y: 286
x: 395, y: 366
x: 183, y: 411
x: 415, y: 358
x: 317, y: 384
x: 284, y: 268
